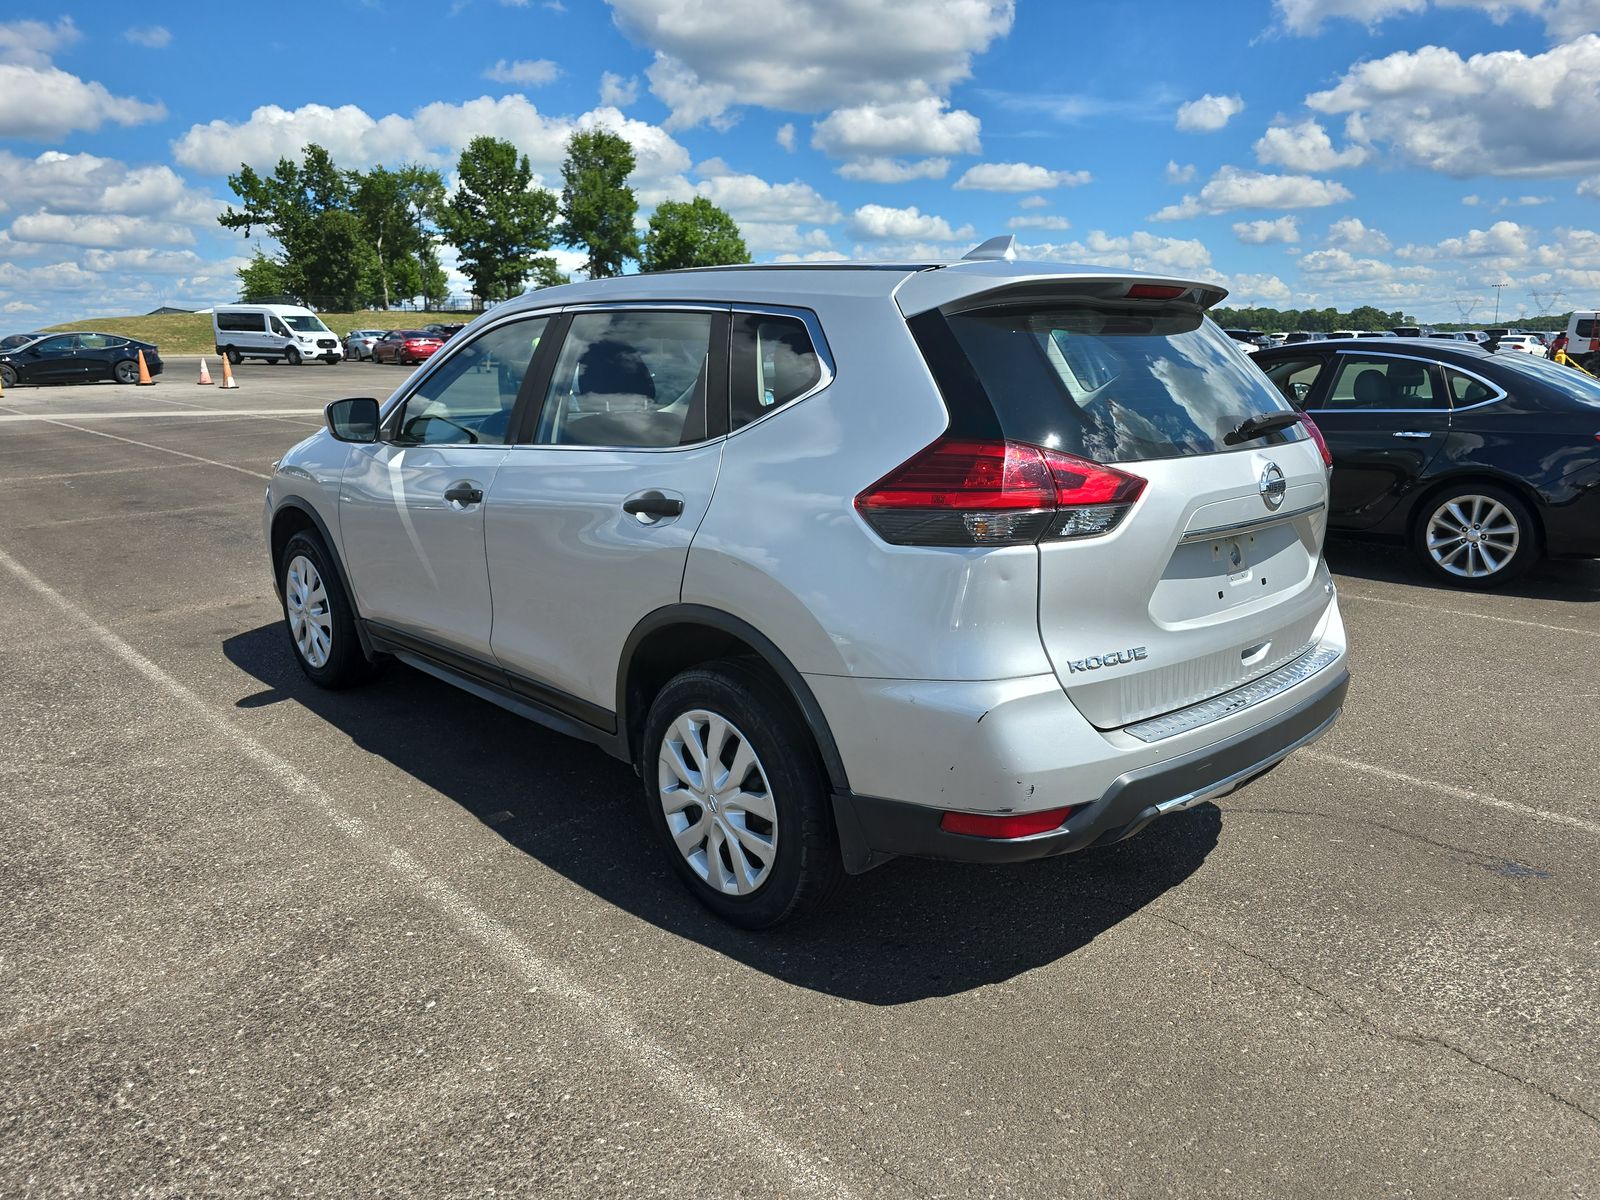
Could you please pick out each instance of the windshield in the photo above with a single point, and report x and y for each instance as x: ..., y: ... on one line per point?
x: 1571, y: 382
x: 306, y: 324
x: 1115, y: 385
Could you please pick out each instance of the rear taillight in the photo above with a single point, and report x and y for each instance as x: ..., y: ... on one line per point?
x: 1316, y: 436
x: 996, y: 493
x: 1154, y: 291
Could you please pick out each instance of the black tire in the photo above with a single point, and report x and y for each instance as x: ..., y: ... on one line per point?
x: 125, y: 371
x: 344, y: 665
x: 292, y: 356
x: 233, y: 356
x: 1446, y: 521
x: 8, y: 377
x: 805, y: 865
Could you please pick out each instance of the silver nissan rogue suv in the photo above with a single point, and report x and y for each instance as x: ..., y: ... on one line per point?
x: 985, y: 560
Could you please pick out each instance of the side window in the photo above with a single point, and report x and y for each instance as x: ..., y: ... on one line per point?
x: 278, y: 328
x: 1467, y: 390
x: 241, y: 322
x: 95, y: 341
x: 1383, y: 383
x: 1295, y: 377
x: 630, y: 379
x: 773, y: 363
x: 468, y: 398
x: 63, y: 344
x: 1586, y: 327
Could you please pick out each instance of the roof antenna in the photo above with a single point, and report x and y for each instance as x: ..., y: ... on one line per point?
x: 996, y: 249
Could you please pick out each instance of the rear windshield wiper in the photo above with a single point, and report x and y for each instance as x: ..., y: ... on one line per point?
x: 1253, y: 427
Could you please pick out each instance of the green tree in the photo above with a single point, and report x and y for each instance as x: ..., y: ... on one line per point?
x: 597, y: 205
x: 497, y: 220
x: 305, y: 207
x: 693, y: 234
x: 395, y: 209
x: 263, y: 279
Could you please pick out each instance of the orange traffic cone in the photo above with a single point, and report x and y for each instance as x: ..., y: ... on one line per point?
x: 228, y: 381
x: 205, y: 373
x: 144, y: 373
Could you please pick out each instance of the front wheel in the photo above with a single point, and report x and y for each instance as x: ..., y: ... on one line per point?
x: 292, y: 356
x: 8, y: 377
x: 1476, y: 536
x: 317, y: 613
x: 737, y: 795
x: 126, y: 371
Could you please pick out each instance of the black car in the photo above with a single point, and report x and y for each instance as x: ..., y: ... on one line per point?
x: 1480, y: 461
x: 76, y: 358
x: 13, y: 340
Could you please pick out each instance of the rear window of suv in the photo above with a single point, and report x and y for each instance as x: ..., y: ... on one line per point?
x: 1109, y: 385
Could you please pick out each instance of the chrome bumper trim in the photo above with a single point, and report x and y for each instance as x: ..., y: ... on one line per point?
x: 1255, y: 692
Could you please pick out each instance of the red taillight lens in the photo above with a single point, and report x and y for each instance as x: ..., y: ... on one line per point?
x: 1009, y: 825
x: 1316, y: 436
x: 995, y: 493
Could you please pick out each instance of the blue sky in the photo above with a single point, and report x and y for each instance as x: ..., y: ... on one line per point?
x: 1404, y: 153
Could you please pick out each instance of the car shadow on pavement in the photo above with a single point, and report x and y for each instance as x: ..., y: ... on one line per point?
x: 906, y: 931
x: 1380, y: 562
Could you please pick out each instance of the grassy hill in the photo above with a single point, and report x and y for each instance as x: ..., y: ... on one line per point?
x: 190, y: 333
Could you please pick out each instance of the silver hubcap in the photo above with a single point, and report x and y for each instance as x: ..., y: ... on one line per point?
x: 718, y: 803
x: 1473, y: 536
x: 310, y: 621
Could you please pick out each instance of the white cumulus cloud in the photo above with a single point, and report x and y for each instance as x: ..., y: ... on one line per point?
x: 1260, y: 233
x: 751, y: 198
x: 1179, y: 173
x: 1503, y: 113
x: 1233, y: 188
x: 1041, y: 222
x: 1351, y: 233
x: 33, y: 43
x: 881, y: 221
x: 1209, y: 113
x: 1017, y: 177
x: 1306, y: 147
x: 151, y: 37
x: 924, y: 126
x: 617, y: 91
x: 894, y: 170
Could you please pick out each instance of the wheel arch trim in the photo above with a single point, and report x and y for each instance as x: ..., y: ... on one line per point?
x: 790, y: 678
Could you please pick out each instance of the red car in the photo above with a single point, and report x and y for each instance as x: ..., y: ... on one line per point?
x: 405, y: 346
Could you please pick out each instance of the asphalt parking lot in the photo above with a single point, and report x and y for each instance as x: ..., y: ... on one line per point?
x: 257, y: 939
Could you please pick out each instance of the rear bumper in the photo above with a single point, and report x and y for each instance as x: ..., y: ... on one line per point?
x: 872, y: 830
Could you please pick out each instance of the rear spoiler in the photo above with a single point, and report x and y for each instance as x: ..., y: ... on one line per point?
x: 985, y: 283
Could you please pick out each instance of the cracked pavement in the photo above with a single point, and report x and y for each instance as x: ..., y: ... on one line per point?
x: 256, y: 939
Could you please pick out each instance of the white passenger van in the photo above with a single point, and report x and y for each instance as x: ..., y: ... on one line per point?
x: 273, y: 333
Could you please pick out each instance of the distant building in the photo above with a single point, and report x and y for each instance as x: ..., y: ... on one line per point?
x: 167, y: 311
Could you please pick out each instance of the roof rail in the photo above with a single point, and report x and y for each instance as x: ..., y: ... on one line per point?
x: 996, y: 249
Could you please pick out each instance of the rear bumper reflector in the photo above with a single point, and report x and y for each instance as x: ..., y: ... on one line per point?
x: 1225, y: 705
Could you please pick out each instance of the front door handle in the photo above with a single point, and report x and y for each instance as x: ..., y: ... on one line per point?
x: 652, y: 504
x: 464, y: 493
x: 1412, y: 433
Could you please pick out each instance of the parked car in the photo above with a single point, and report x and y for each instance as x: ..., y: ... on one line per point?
x: 405, y: 346
x: 13, y: 341
x: 1525, y: 342
x: 1483, y: 462
x: 443, y: 332
x: 1376, y: 333
x: 985, y: 561
x: 283, y: 333
x: 1300, y: 335
x: 77, y: 358
x: 358, y: 343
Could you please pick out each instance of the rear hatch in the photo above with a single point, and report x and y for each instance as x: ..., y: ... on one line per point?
x: 1204, y: 575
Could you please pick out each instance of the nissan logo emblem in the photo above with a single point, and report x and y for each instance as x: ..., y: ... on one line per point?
x: 1273, y: 486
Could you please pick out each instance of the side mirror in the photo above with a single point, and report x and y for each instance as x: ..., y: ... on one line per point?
x: 353, y: 420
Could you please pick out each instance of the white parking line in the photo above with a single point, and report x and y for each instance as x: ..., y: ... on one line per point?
x: 1460, y: 612
x: 1448, y: 789
x: 689, y: 1086
x: 210, y: 462
x: 54, y: 417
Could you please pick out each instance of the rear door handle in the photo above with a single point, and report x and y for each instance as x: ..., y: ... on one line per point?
x: 652, y: 504
x: 1412, y: 433
x: 464, y: 493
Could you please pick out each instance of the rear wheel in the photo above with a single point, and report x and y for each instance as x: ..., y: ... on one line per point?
x: 233, y: 356
x: 292, y: 356
x: 1476, y: 536
x: 318, y: 616
x: 737, y: 795
x: 126, y: 371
